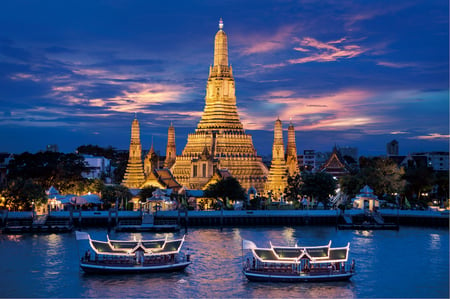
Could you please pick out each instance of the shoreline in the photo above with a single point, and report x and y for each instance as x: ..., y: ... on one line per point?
x: 222, y: 218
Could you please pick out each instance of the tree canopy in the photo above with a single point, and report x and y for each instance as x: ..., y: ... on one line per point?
x: 228, y: 187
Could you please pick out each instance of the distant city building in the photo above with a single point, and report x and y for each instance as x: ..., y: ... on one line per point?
x: 348, y: 151
x: 134, y: 174
x: 437, y: 160
x: 392, y: 148
x: 5, y: 158
x: 312, y: 160
x: 99, y: 167
x: 51, y: 148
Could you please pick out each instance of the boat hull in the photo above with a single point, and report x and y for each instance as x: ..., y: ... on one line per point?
x: 274, y: 277
x: 112, y: 269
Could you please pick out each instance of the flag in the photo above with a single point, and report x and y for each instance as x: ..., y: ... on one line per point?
x: 246, y: 244
x: 407, y: 203
x: 82, y: 235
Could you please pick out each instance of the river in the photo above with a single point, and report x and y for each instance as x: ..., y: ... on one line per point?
x: 410, y: 263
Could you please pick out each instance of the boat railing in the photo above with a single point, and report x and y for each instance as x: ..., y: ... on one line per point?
x: 321, y: 269
x: 133, y: 260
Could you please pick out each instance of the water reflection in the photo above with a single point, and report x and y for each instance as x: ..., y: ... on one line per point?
x: 47, y: 265
x: 435, y: 241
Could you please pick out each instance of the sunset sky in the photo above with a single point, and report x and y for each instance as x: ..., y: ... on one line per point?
x: 346, y: 73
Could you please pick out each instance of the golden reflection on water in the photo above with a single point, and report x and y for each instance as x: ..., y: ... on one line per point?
x: 435, y: 241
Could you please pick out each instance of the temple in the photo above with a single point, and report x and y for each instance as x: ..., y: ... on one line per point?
x: 134, y: 174
x: 336, y: 165
x: 219, y: 141
x: 277, y: 179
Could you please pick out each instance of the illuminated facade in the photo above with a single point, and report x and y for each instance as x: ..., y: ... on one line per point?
x: 134, y: 174
x: 151, y: 161
x: 219, y: 141
x: 171, y: 150
x: 277, y: 179
x: 291, y: 152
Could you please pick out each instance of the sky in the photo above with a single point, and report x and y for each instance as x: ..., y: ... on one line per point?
x: 345, y: 73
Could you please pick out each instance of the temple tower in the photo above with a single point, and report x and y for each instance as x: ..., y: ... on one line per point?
x: 134, y: 174
x: 291, y: 152
x: 277, y: 179
x: 219, y: 141
x: 171, y: 150
x: 151, y: 161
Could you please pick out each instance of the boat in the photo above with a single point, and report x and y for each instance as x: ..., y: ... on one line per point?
x: 132, y: 256
x: 297, y: 263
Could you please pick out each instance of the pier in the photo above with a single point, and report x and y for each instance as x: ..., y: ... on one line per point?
x: 23, y: 222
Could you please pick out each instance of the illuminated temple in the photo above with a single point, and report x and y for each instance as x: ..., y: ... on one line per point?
x: 277, y: 179
x: 219, y: 141
x: 134, y: 174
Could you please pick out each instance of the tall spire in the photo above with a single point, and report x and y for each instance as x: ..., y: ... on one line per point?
x: 277, y: 179
x: 219, y: 141
x: 221, y: 47
x: 220, y: 101
x: 291, y: 151
x: 134, y: 174
x: 171, y: 148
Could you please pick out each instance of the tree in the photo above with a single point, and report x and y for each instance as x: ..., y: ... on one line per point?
x: 293, y: 189
x: 379, y: 173
x: 319, y: 185
x: 227, y: 188
x: 419, y: 179
x: 20, y: 194
x: 111, y: 194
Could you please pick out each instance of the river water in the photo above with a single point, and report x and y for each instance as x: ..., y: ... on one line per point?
x: 410, y: 263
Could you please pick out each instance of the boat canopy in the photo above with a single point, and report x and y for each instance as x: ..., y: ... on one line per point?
x: 149, y: 247
x: 287, y: 254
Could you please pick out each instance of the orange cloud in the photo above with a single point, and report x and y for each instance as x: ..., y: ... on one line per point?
x: 342, y: 109
x: 141, y: 95
x: 432, y: 136
x: 325, y: 51
x: 263, y: 43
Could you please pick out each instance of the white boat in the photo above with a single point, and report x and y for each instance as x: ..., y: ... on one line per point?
x: 116, y: 256
x: 297, y: 263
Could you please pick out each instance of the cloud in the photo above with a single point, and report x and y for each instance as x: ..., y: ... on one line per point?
x: 395, y: 64
x: 332, y: 111
x: 432, y: 136
x: 263, y: 43
x: 23, y: 76
x: 325, y: 51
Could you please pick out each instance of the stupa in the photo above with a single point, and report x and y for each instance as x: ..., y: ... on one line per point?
x: 277, y: 179
x: 134, y: 174
x: 171, y: 150
x: 219, y: 141
x: 291, y: 152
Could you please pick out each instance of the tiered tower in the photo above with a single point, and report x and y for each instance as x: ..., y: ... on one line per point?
x: 134, y: 174
x: 151, y: 161
x: 277, y: 179
x: 220, y: 142
x: 171, y: 150
x: 291, y: 152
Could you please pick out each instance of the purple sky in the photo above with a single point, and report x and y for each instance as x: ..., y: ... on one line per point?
x: 348, y: 73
